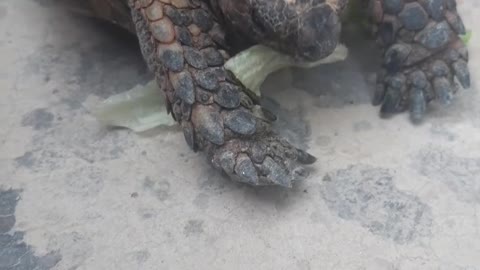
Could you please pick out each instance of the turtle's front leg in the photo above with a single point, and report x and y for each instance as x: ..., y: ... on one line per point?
x: 181, y: 43
x: 422, y: 54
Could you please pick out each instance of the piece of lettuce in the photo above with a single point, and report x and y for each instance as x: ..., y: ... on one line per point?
x: 252, y: 66
x: 139, y: 109
x: 466, y: 38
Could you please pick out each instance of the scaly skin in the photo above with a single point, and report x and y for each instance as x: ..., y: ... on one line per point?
x: 422, y: 54
x: 182, y: 44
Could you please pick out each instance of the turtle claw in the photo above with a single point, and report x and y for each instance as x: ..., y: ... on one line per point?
x: 276, y: 173
x: 460, y: 69
x: 423, y: 55
x: 418, y: 105
x: 391, y: 99
x: 379, y: 92
x: 265, y: 161
x: 305, y: 158
x: 443, y: 90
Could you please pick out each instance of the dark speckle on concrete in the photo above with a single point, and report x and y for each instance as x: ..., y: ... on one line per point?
x: 147, y: 215
x: 38, y: 119
x: 139, y: 257
x: 459, y: 174
x: 201, y: 201
x: 323, y: 140
x: 40, y: 158
x: 368, y: 195
x: 15, y: 254
x: 158, y: 188
x: 85, y: 181
x: 362, y: 126
x: 193, y: 227
x: 116, y: 152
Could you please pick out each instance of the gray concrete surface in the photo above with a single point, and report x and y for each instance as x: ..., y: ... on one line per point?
x: 384, y: 194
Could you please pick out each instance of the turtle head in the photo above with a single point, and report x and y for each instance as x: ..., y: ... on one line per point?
x: 318, y: 33
x: 308, y: 30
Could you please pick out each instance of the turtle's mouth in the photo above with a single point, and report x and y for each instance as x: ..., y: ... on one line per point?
x: 319, y: 34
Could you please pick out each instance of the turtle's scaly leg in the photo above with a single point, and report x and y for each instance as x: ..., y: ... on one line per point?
x: 181, y: 42
x: 422, y: 54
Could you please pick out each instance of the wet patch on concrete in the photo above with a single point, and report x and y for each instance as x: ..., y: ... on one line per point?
x: 362, y: 126
x: 193, y: 227
x: 323, y: 140
x: 201, y: 201
x: 138, y: 257
x: 85, y: 181
x: 15, y: 254
x: 27, y: 160
x: 3, y: 12
x: 76, y: 248
x: 442, y: 131
x: 459, y: 174
x: 46, y: 3
x: 8, y: 202
x: 368, y: 196
x: 38, y: 119
x: 40, y: 159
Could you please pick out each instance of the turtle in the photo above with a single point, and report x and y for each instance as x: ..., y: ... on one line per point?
x: 185, y: 44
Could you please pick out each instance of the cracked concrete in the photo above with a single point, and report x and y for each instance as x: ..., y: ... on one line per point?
x: 384, y: 194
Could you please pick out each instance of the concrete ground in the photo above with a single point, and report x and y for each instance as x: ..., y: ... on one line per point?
x: 384, y: 194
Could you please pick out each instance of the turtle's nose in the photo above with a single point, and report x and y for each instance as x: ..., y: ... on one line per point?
x: 318, y: 34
